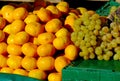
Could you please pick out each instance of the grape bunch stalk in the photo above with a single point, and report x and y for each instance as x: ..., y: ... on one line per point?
x: 96, y: 41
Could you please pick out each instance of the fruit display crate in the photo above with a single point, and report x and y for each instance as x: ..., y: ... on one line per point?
x: 92, y: 70
x: 105, y: 9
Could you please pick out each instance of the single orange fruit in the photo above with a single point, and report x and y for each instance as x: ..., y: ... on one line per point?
x: 10, y: 39
x: 54, y: 10
x: 60, y: 43
x: 45, y: 38
x: 82, y: 10
x: 46, y: 50
x: 44, y: 14
x: 38, y: 74
x: 17, y: 26
x: 34, y: 28
x: 45, y: 63
x: 7, y: 29
x: 29, y: 49
x: 6, y: 11
x: 31, y: 18
x: 54, y: 76
x: 60, y: 63
x: 2, y: 35
x: 3, y: 48
x: 20, y: 13
x: 62, y: 32
x: 63, y: 7
x: 3, y: 61
x: 21, y: 38
x: 29, y: 63
x: 91, y: 12
x: 71, y: 52
x: 20, y: 72
x: 53, y: 25
x: 2, y: 22
x: 69, y: 22
x: 6, y: 70
x: 14, y: 62
x: 14, y: 49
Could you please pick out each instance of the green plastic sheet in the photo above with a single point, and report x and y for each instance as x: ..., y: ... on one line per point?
x: 15, y: 77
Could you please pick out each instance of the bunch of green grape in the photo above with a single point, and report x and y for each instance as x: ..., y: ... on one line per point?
x: 110, y: 44
x: 86, y: 34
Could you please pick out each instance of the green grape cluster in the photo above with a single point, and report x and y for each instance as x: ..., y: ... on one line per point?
x: 110, y: 43
x: 85, y: 35
x: 96, y: 40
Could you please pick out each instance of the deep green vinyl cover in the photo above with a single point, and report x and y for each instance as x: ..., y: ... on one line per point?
x: 15, y: 77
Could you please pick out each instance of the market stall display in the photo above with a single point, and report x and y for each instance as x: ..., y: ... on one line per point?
x: 40, y: 40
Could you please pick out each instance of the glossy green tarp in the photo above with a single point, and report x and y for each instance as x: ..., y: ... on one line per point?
x: 15, y: 77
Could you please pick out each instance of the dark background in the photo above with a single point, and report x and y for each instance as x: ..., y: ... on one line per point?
x: 93, y: 5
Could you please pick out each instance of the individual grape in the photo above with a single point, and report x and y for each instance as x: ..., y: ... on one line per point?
x: 116, y: 56
x: 113, y: 43
x: 98, y: 21
x: 96, y: 32
x: 91, y: 27
x: 81, y: 54
x: 109, y: 53
x: 98, y: 51
x: 85, y: 31
x: 87, y: 39
x: 77, y: 43
x: 104, y: 38
x: 103, y: 44
x: 92, y: 56
x: 113, y: 9
x: 92, y: 22
x: 85, y: 16
x: 100, y: 57
x: 116, y: 28
x: 97, y: 27
x: 93, y: 42
x: 82, y: 43
x: 87, y: 44
x: 90, y: 33
x: 102, y: 33
x: 83, y: 28
x: 105, y: 29
x: 106, y: 57
x: 109, y: 46
x: 86, y: 57
x: 74, y: 36
x: 118, y: 40
x: 95, y: 16
x: 91, y: 49
x: 86, y: 22
x: 109, y: 37
x: 117, y: 49
x: 85, y: 53
x: 81, y: 34
x: 93, y: 37
x: 118, y: 52
x: 115, y: 34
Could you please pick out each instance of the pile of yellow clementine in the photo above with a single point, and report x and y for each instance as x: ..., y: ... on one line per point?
x: 37, y: 43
